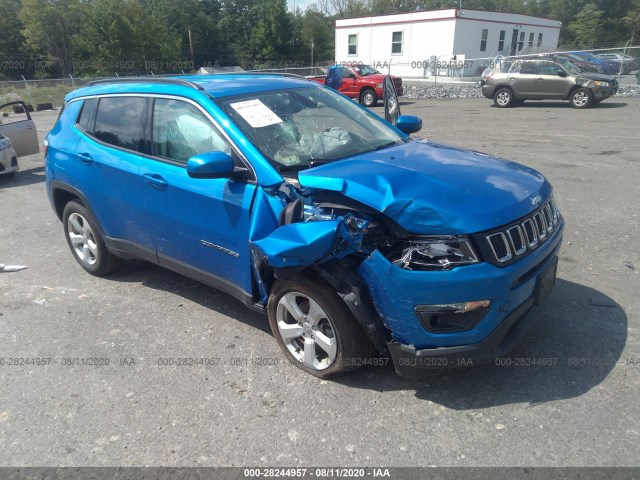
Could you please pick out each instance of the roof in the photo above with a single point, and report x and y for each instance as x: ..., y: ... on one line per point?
x: 217, y: 86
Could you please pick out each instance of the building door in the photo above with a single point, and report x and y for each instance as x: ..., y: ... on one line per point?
x: 514, y: 42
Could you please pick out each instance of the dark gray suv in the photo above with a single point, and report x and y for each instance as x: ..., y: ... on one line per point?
x: 547, y: 79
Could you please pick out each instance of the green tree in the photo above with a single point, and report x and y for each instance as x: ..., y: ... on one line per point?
x: 587, y: 26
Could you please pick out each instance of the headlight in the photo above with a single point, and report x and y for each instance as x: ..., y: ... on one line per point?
x: 601, y: 84
x: 434, y: 253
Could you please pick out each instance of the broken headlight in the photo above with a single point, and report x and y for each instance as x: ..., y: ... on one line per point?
x: 434, y: 253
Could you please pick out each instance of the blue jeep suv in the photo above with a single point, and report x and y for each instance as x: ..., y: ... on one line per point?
x: 357, y: 241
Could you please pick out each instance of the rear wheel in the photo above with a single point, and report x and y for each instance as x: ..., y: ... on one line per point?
x: 368, y: 98
x: 314, y: 327
x: 85, y: 242
x: 581, y: 98
x: 503, y: 98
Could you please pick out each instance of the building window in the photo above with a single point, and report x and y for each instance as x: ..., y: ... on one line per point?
x: 501, y: 42
x: 353, y: 44
x: 396, y: 43
x: 483, y: 40
x: 531, y: 39
x: 521, y: 41
x: 539, y: 39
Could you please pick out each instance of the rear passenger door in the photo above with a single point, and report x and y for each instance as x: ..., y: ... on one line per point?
x: 522, y: 78
x: 200, y: 227
x: 106, y: 165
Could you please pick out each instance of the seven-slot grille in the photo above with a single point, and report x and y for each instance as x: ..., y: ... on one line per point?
x: 514, y: 241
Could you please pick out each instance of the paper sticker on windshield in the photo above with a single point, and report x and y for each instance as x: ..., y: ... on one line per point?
x: 256, y: 113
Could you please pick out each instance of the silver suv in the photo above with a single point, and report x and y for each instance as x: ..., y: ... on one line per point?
x: 547, y: 79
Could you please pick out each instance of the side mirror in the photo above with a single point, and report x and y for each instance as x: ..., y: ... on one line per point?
x: 210, y: 165
x: 409, y: 124
x: 562, y: 73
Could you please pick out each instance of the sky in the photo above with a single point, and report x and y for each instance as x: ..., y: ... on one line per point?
x: 299, y: 4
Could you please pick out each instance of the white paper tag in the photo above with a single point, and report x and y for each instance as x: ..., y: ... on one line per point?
x: 256, y: 113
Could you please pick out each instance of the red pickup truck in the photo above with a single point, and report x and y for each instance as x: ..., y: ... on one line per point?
x: 362, y: 82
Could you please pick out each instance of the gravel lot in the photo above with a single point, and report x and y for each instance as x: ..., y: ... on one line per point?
x: 580, y: 409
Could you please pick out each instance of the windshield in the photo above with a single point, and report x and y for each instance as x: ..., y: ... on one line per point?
x: 303, y: 127
x: 365, y: 70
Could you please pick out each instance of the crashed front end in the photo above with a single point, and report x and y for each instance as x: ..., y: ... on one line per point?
x: 428, y: 301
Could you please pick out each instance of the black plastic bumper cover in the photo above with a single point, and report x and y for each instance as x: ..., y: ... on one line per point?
x: 411, y: 363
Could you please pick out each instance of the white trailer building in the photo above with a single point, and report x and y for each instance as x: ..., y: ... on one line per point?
x: 416, y: 43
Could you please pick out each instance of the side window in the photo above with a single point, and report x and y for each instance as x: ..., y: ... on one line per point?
x: 85, y: 116
x: 120, y: 122
x: 181, y: 131
x: 528, y: 68
x: 483, y: 40
x: 549, y: 68
x: 353, y: 44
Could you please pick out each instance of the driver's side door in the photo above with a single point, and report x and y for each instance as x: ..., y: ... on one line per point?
x: 549, y: 83
x: 199, y: 227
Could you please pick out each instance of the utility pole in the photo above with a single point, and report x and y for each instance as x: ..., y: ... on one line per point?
x: 312, y: 45
x: 193, y: 63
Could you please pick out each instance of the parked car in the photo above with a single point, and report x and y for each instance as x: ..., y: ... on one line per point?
x: 353, y: 238
x: 18, y: 137
x: 582, y: 64
x: 627, y: 63
x: 608, y: 67
x: 362, y: 82
x: 547, y: 80
x: 8, y: 158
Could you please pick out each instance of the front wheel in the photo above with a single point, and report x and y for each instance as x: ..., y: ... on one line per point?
x: 503, y: 98
x: 368, y: 98
x: 314, y: 328
x: 581, y: 98
x: 85, y: 242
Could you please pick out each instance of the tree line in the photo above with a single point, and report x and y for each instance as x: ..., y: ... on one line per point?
x: 53, y: 38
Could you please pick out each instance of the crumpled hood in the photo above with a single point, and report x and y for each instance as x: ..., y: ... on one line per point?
x: 596, y: 76
x: 428, y: 188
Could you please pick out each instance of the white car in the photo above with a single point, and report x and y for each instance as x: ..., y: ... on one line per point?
x: 18, y: 137
x: 8, y: 158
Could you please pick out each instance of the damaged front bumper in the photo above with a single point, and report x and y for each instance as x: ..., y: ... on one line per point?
x: 513, y: 290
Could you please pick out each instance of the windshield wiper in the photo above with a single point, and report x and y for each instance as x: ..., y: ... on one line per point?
x: 385, y: 145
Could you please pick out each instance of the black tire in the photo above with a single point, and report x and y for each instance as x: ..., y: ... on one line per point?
x: 368, y: 98
x: 503, y: 98
x: 87, y: 246
x: 581, y: 98
x: 336, y: 324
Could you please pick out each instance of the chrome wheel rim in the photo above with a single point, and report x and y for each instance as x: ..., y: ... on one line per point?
x: 580, y: 99
x: 368, y: 98
x: 306, y: 330
x: 503, y: 98
x: 82, y: 239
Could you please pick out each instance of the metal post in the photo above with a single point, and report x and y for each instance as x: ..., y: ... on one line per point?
x: 73, y: 83
x: 26, y: 86
x: 312, y: 45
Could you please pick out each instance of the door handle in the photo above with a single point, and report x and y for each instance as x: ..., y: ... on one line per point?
x: 155, y: 180
x: 85, y: 158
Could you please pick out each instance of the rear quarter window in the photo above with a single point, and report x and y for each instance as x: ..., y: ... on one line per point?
x: 85, y: 116
x: 120, y: 121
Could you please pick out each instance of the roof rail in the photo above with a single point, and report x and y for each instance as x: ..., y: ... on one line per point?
x: 173, y: 80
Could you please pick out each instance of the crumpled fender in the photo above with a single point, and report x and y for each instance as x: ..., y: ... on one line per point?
x: 298, y: 244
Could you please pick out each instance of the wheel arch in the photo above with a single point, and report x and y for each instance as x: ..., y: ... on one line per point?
x: 500, y: 87
x: 62, y: 194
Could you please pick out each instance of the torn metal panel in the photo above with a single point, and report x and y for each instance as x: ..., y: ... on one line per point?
x: 299, y: 243
x: 431, y: 188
